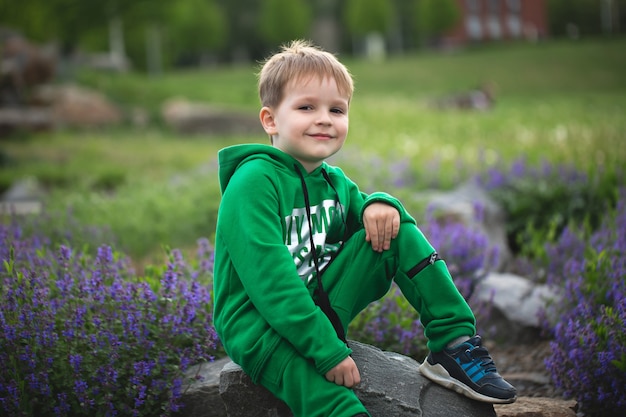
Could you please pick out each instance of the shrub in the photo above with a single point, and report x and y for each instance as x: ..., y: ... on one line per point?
x: 541, y: 201
x: 82, y: 335
x: 588, y: 359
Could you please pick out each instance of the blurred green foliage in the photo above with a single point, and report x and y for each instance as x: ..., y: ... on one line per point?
x: 437, y: 16
x: 193, y: 32
x: 284, y: 19
x: 366, y: 16
x: 582, y: 18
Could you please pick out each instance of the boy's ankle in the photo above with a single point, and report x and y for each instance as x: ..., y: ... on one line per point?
x: 457, y: 342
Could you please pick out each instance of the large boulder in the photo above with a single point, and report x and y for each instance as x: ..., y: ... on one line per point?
x: 391, y: 386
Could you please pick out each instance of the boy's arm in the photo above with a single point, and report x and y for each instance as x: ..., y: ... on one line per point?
x: 250, y: 226
x: 382, y: 223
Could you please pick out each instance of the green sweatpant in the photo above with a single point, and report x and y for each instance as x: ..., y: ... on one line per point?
x: 354, y: 279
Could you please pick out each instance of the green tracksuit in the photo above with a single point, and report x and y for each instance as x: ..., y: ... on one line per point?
x: 264, y: 277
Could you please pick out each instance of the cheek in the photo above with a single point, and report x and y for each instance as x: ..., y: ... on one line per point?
x: 295, y: 122
x: 345, y: 127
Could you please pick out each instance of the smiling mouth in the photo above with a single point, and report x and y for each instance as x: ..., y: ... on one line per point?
x: 321, y: 136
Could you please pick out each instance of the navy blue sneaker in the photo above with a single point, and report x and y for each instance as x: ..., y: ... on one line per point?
x: 469, y: 370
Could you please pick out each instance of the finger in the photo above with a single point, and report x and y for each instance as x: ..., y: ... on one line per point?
x: 388, y: 234
x: 366, y: 226
x: 349, y: 381
x: 379, y: 239
x: 392, y: 231
x: 395, y: 227
x: 372, y: 235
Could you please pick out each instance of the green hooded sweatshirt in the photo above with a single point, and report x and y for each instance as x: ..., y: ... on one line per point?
x: 263, y: 261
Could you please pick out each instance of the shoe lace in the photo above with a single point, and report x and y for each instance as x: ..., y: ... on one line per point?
x: 480, y: 356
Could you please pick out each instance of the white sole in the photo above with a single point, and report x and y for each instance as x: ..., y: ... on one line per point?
x: 438, y: 374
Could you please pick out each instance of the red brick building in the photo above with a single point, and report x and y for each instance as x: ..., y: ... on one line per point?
x: 487, y: 20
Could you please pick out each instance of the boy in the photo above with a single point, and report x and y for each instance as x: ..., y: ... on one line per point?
x: 300, y: 251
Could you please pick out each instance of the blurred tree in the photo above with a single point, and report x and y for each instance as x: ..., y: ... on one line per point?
x: 143, y: 27
x: 185, y: 29
x: 368, y: 24
x: 28, y: 17
x: 284, y: 20
x: 579, y: 14
x: 366, y: 16
x: 586, y: 17
x: 161, y: 33
x: 243, y: 40
x: 196, y: 29
x: 404, y: 32
x: 435, y: 17
x: 64, y: 21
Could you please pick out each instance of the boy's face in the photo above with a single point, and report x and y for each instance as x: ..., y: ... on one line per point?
x: 311, y: 121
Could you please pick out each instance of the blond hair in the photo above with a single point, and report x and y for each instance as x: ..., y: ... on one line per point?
x: 298, y: 60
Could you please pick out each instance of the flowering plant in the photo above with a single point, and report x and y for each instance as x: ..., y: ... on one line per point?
x: 541, y: 201
x: 588, y: 359
x: 82, y: 335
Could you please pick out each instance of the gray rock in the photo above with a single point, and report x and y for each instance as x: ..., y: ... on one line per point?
x: 30, y: 119
x: 516, y: 304
x: 202, y: 398
x: 189, y: 117
x: 538, y: 407
x: 391, y: 386
x: 23, y: 197
x: 78, y: 106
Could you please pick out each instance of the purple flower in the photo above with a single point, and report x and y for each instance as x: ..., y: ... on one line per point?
x: 75, y: 362
x: 588, y: 360
x: 81, y: 331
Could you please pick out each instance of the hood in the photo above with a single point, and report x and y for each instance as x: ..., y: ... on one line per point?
x: 231, y: 158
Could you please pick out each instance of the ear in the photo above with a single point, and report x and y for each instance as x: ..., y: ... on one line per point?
x: 266, y: 115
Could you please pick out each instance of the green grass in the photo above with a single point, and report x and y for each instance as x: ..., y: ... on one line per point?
x: 81, y: 159
x: 564, y: 102
x: 557, y: 101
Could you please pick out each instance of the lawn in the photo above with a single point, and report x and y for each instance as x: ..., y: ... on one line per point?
x: 557, y: 101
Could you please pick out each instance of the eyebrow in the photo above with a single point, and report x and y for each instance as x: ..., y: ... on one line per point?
x: 313, y: 97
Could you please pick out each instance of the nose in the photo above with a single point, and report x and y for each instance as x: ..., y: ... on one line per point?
x: 323, y: 118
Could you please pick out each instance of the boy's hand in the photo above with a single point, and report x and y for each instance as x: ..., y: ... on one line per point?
x: 345, y: 373
x: 382, y: 223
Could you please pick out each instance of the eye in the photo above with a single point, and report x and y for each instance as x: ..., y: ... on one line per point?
x: 337, y: 110
x: 305, y: 107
